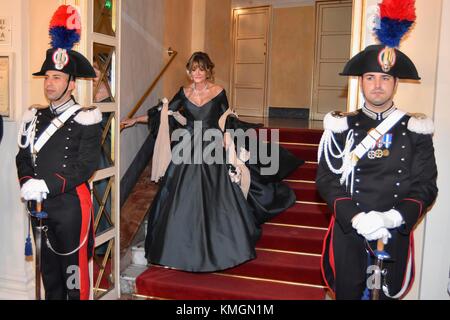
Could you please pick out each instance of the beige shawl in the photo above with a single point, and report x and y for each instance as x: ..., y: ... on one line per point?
x: 162, y: 153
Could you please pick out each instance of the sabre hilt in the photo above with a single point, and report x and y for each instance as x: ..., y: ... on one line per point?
x: 380, y: 245
x: 38, y: 213
x: 380, y: 254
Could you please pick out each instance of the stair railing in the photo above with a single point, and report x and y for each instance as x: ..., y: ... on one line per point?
x: 172, y: 54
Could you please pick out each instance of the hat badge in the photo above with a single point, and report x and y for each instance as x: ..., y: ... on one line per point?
x: 60, y: 58
x: 387, y: 58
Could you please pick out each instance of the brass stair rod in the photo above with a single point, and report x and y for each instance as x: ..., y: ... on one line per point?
x: 172, y: 55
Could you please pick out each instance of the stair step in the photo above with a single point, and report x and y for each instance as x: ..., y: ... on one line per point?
x: 172, y: 284
x: 305, y: 191
x: 128, y: 278
x: 281, y: 266
x: 304, y: 152
x: 289, y: 238
x: 138, y: 255
x: 305, y: 215
x: 133, y: 212
x: 299, y: 135
x: 307, y: 171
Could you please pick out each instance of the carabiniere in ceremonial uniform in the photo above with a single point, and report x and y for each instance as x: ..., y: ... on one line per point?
x: 59, y: 152
x: 395, y: 173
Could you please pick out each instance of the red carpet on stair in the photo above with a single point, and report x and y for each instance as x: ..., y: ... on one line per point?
x: 305, y: 152
x: 305, y: 191
x: 305, y: 214
x: 305, y: 172
x: 284, y: 266
x: 294, y: 238
x: 287, y: 266
x: 160, y: 283
x: 294, y: 135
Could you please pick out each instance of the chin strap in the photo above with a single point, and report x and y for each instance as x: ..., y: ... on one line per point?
x: 67, y: 87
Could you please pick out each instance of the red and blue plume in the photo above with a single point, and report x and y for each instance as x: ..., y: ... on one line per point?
x: 396, y: 19
x: 65, y: 28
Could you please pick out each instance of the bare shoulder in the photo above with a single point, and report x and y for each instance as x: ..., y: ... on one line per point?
x: 187, y: 90
x: 216, y: 89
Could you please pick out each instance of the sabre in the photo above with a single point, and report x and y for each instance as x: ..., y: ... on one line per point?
x: 380, y: 256
x: 39, y: 215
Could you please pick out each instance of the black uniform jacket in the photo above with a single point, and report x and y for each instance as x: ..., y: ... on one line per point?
x: 70, y: 156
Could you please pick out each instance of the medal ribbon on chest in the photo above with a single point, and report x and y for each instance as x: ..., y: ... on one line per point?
x: 378, y: 153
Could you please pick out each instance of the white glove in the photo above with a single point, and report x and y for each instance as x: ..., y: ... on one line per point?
x: 391, y: 219
x: 36, y: 196
x: 381, y: 233
x: 366, y: 223
x: 34, y: 189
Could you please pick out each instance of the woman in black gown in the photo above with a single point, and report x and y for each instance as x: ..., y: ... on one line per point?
x: 207, y: 216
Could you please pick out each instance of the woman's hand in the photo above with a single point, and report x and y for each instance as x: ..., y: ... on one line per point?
x: 227, y: 140
x: 127, y: 123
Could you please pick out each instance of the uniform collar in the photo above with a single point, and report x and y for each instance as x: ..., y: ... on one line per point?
x: 57, y: 110
x: 378, y: 115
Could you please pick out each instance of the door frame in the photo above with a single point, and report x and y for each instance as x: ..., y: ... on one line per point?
x: 361, y: 37
x: 358, y: 20
x: 85, y: 96
x: 314, y: 115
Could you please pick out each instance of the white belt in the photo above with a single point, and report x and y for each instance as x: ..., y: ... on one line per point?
x: 373, y: 135
x: 56, y: 124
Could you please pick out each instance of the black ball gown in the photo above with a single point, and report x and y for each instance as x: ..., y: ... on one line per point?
x: 201, y: 221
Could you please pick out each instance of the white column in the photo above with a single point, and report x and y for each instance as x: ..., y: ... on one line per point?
x: 436, y: 262
x: 16, y: 275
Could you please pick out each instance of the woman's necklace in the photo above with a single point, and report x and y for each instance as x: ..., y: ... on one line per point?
x: 198, y: 92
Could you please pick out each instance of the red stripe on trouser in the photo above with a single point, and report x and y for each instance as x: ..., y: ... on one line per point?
x: 86, y: 204
x: 413, y: 267
x: 330, y: 254
x: 330, y: 235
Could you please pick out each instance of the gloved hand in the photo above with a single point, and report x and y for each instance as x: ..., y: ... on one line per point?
x: 367, y: 223
x: 381, y: 233
x: 391, y: 219
x: 36, y: 196
x: 34, y: 189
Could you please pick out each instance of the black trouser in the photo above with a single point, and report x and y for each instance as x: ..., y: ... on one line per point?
x: 69, y: 223
x: 352, y: 261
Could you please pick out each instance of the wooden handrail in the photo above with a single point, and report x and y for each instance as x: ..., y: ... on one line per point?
x: 172, y: 55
